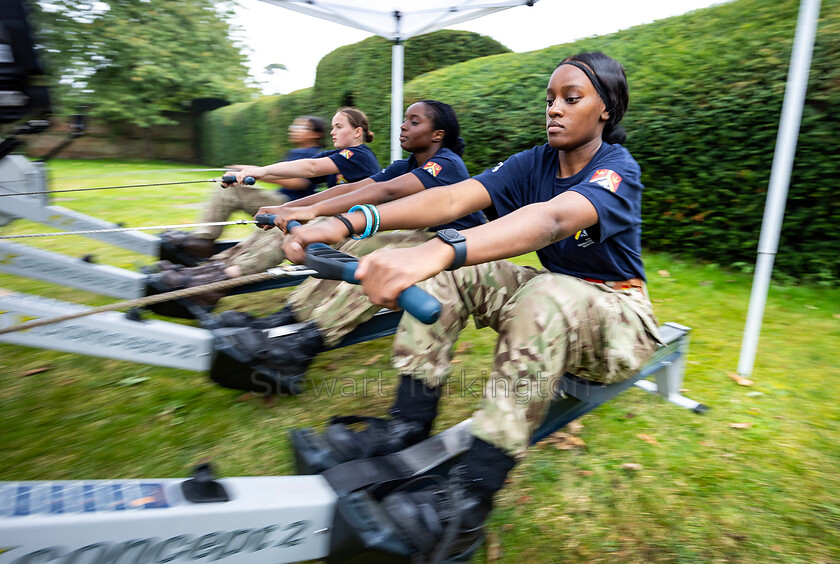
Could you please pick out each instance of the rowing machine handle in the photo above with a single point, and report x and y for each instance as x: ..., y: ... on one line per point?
x: 249, y: 180
x: 335, y: 265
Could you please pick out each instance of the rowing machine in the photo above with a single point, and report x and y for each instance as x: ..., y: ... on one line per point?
x: 237, y: 520
x: 112, y: 335
x: 334, y: 515
x: 24, y: 182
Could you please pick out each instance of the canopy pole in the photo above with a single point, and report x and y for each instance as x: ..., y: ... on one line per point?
x: 774, y: 209
x: 396, y: 98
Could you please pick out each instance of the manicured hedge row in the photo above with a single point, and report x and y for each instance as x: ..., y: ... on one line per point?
x: 358, y: 74
x: 252, y: 132
x: 706, y: 92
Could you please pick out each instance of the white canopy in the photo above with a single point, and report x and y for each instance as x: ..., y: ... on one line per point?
x: 398, y: 20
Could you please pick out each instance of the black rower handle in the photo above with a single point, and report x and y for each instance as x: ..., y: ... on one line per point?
x: 249, y: 180
x: 265, y: 219
x: 335, y: 265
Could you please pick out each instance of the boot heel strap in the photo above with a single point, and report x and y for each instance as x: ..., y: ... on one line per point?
x: 351, y: 419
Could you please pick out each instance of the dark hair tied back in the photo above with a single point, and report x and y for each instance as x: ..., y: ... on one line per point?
x: 318, y: 125
x: 444, y: 118
x: 613, y: 84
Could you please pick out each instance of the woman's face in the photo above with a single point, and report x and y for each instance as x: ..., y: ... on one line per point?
x: 301, y: 132
x: 343, y: 134
x: 417, y: 131
x: 575, y: 113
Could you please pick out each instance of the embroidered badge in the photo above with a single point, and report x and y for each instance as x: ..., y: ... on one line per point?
x: 339, y: 179
x: 346, y: 153
x: 432, y: 168
x: 606, y: 178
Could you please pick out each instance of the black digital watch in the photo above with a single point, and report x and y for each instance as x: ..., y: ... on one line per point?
x: 458, y: 242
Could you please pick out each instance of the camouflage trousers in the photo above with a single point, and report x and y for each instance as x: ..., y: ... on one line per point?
x: 258, y: 252
x: 338, y: 307
x: 225, y: 201
x: 548, y: 324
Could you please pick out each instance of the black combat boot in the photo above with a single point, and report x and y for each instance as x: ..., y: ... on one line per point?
x: 277, y: 365
x: 411, y: 420
x: 447, y: 518
x: 170, y: 280
x: 160, y: 266
x: 234, y: 318
x: 184, y: 248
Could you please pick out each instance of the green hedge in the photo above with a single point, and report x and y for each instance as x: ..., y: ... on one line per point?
x: 252, y: 132
x: 706, y: 92
x: 358, y: 74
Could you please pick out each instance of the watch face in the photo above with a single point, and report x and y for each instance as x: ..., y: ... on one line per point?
x: 451, y: 235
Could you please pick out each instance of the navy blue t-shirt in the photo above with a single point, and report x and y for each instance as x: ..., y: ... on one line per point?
x: 293, y: 155
x: 354, y: 164
x: 608, y: 250
x: 444, y: 168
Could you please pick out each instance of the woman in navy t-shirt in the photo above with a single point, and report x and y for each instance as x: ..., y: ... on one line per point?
x: 576, y: 201
x: 352, y: 161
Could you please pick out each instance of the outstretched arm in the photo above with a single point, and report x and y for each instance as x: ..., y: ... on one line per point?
x: 300, y: 168
x: 303, y: 209
x: 363, y: 192
x: 375, y: 193
x: 385, y: 273
x: 289, y: 183
x: 435, y: 206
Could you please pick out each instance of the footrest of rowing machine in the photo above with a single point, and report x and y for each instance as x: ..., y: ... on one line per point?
x: 236, y: 366
x: 362, y: 533
x: 312, y: 454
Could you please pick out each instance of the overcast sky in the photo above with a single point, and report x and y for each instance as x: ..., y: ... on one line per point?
x: 299, y: 41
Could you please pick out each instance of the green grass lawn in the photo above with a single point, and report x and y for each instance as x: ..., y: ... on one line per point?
x: 755, y: 479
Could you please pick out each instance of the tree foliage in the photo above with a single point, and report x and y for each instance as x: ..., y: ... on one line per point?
x: 135, y: 60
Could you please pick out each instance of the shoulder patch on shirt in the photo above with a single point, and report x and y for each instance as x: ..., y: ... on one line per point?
x: 346, y: 153
x: 607, y: 179
x: 432, y: 168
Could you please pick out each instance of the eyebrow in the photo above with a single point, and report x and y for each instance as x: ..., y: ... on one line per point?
x: 568, y: 86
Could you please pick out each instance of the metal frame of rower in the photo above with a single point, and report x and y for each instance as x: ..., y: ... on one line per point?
x: 24, y: 177
x: 110, y: 335
x: 334, y: 515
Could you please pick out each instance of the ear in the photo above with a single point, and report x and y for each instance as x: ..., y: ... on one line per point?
x: 438, y: 135
x: 605, y: 115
